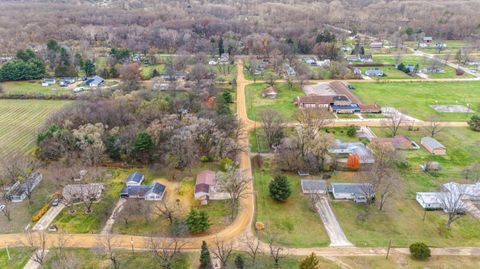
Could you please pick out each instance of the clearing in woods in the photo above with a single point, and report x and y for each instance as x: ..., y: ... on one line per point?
x: 19, y: 121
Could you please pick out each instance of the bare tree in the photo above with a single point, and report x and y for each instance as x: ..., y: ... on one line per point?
x: 89, y: 193
x: 382, y: 176
x: 273, y: 125
x: 434, y: 127
x: 165, y: 251
x: 237, y: 185
x: 472, y: 173
x: 311, y: 121
x: 63, y: 259
x: 276, y: 252
x: 37, y: 241
x: 252, y: 244
x: 106, y: 244
x: 222, y: 251
x: 168, y: 210
x: 394, y: 122
x: 452, y: 202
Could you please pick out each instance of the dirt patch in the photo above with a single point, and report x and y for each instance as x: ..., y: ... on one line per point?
x: 452, y: 108
x: 322, y: 88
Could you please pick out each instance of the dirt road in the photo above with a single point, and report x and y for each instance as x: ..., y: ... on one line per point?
x: 333, y: 228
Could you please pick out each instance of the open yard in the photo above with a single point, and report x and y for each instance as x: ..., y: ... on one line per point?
x: 19, y: 120
x: 287, y: 220
x: 405, y: 262
x: 416, y: 98
x: 147, y: 70
x: 33, y: 88
x: 18, y: 258
x: 402, y: 220
x: 283, y: 103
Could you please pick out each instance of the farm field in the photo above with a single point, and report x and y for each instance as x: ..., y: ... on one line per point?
x: 19, y: 120
x: 33, y: 87
x: 415, y: 98
x: 287, y: 220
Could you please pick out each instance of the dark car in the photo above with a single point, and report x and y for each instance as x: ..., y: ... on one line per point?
x: 56, y: 202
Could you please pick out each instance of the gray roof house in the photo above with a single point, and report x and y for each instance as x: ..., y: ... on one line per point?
x: 310, y: 186
x: 154, y: 192
x: 429, y: 200
x: 358, y: 148
x: 433, y: 146
x: 20, y: 190
x: 359, y: 192
x: 95, y: 81
x: 135, y: 179
x: 374, y: 72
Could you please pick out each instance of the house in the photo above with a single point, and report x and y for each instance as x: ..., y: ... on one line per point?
x: 224, y: 58
x: 324, y: 63
x: 345, y: 109
x: 427, y: 39
x: 429, y: 200
x: 174, y: 76
x: 95, y: 81
x: 358, y: 192
x: 469, y: 191
x: 269, y: 92
x: 357, y: 71
x: 154, y: 192
x: 398, y: 142
x: 376, y: 45
x: 341, y: 100
x: 374, y: 72
x: 20, y: 190
x: 48, y: 81
x: 314, y: 101
x: 310, y: 61
x: 370, y: 108
x: 433, y: 146
x: 367, y: 58
x: 135, y: 179
x: 80, y: 192
x: 312, y: 186
x: 433, y: 70
x: 347, y: 148
x: 290, y: 71
x: 206, y: 188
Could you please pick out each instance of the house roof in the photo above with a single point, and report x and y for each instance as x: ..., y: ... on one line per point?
x: 269, y: 90
x: 357, y: 148
x: 202, y: 187
x: 340, y: 98
x: 206, y: 177
x: 135, y: 177
x: 429, y: 197
x: 340, y: 88
x: 427, y: 38
x: 345, y: 107
x: 432, y: 143
x: 156, y: 188
x: 315, y: 99
x: 313, y: 185
x: 352, y: 188
x: 369, y: 107
x: 78, y: 191
x: 472, y: 190
x: 374, y: 72
x: 398, y: 141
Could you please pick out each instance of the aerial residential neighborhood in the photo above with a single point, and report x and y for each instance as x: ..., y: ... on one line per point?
x: 239, y: 134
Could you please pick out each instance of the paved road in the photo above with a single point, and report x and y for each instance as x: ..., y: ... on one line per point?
x: 48, y: 217
x: 32, y: 264
x: 333, y: 228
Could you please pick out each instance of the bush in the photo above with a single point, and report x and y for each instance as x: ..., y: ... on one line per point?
x: 474, y: 123
x: 351, y: 131
x: 197, y: 221
x: 310, y: 262
x: 41, y: 212
x: 280, y: 188
x: 205, y: 159
x: 419, y: 251
x: 225, y: 163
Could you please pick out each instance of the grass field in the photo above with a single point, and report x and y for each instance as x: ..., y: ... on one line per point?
x: 289, y: 220
x: 148, y: 69
x: 19, y: 120
x: 415, y: 98
x: 283, y: 103
x: 33, y: 87
x: 18, y: 258
x: 405, y: 262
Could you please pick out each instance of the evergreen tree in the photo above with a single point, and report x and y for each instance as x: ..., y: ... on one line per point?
x: 144, y: 146
x: 89, y: 68
x: 26, y: 66
x: 227, y: 96
x: 474, y: 123
x: 280, y: 188
x: 221, y: 49
x: 197, y: 221
x: 239, y: 262
x: 205, y: 260
x: 310, y: 262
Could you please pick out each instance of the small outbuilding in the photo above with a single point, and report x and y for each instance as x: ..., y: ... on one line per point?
x: 270, y: 92
x: 311, y: 186
x: 429, y: 200
x: 433, y: 146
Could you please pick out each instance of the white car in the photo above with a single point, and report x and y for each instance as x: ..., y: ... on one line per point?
x: 2, y: 207
x: 78, y: 89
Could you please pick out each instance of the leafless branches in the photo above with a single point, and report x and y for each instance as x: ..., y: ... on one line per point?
x: 222, y: 251
x: 165, y: 251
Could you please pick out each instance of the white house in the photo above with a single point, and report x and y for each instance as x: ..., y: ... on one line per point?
x: 20, y: 190
x: 359, y: 192
x: 429, y: 200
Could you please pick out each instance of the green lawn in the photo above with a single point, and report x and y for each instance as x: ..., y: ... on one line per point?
x: 402, y: 220
x: 265, y: 74
x: 283, y: 103
x: 405, y: 262
x: 19, y: 121
x: 224, y: 73
x: 415, y: 98
x: 265, y: 261
x: 289, y: 220
x: 18, y: 258
x: 148, y: 69
x: 94, y: 222
x: 34, y: 88
x: 92, y: 259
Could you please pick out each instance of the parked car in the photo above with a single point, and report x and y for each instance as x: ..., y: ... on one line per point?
x: 78, y: 89
x: 2, y: 207
x: 56, y: 202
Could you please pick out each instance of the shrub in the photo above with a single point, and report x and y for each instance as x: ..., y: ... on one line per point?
x: 310, y: 262
x: 239, y: 262
x: 41, y: 212
x: 351, y: 131
x: 205, y: 260
x: 419, y: 251
x: 474, y: 123
x: 280, y: 188
x: 197, y: 221
x: 225, y: 163
x: 205, y: 159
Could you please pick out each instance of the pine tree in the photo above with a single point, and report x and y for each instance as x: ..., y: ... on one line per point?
x: 205, y: 260
x: 310, y: 262
x: 239, y: 262
x: 221, y: 49
x: 280, y: 188
x: 197, y: 221
x: 143, y: 146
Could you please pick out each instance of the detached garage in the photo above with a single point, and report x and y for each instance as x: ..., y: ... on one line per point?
x: 433, y: 146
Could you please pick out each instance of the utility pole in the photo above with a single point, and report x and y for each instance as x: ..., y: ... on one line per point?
x: 388, y: 249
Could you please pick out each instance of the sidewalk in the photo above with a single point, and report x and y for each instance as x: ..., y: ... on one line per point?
x: 111, y: 220
x: 48, y: 218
